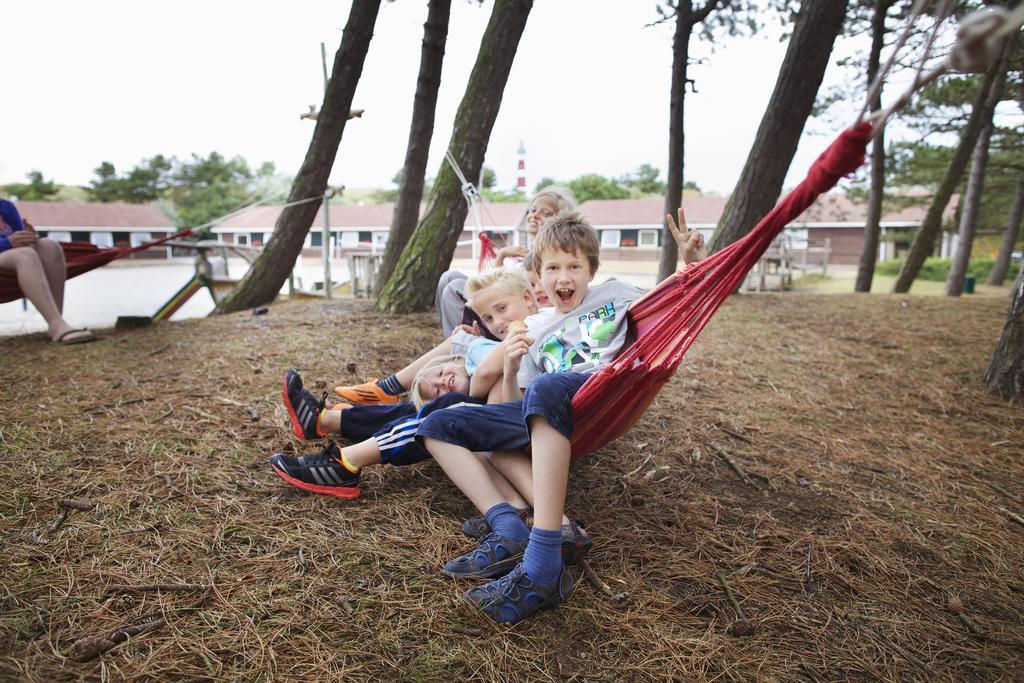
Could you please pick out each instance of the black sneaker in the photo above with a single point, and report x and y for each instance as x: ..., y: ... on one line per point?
x: 318, y: 472
x: 303, y: 408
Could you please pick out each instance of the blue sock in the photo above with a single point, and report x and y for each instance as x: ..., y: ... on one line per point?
x: 391, y: 385
x: 505, y: 520
x: 543, y: 556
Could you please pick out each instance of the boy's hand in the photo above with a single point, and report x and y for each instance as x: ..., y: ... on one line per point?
x: 517, y: 345
x: 473, y: 329
x: 690, y: 242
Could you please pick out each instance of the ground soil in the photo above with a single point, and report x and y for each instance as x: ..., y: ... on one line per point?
x: 872, y: 536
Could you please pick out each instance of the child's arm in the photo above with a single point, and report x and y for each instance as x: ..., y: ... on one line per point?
x: 488, y: 373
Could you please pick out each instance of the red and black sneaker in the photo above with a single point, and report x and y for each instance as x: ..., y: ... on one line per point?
x: 303, y: 408
x: 318, y: 472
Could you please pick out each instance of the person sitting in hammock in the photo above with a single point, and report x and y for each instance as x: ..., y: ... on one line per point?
x: 553, y: 361
x: 392, y: 389
x: 38, y: 265
x: 450, y: 302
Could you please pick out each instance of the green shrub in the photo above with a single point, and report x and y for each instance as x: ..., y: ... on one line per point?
x: 937, y: 269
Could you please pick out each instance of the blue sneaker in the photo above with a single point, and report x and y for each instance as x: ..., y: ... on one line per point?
x: 516, y: 596
x: 493, y: 557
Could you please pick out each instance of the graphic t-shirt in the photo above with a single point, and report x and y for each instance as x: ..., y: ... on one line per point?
x: 584, y: 340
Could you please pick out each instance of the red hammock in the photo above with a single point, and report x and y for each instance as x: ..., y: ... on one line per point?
x: 667, y: 320
x: 81, y: 257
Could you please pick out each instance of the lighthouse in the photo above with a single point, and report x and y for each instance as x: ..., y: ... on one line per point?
x: 521, y: 174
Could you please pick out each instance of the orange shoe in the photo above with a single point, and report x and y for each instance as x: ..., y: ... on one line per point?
x: 367, y: 394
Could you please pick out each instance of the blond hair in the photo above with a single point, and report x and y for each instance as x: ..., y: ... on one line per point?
x: 563, y: 197
x: 569, y: 232
x: 509, y: 281
x: 418, y: 399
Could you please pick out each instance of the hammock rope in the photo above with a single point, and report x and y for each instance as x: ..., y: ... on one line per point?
x: 667, y: 320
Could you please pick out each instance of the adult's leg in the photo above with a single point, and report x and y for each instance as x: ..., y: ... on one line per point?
x: 25, y: 263
x: 52, y: 257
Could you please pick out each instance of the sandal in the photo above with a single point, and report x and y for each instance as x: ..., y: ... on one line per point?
x: 86, y: 336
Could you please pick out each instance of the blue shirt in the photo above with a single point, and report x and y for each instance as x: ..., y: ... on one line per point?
x: 10, y: 223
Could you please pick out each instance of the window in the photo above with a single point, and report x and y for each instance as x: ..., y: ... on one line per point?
x: 79, y: 236
x: 316, y: 238
x: 349, y: 239
x: 610, y: 238
x: 365, y: 236
x: 257, y: 239
x: 138, y: 238
x: 242, y: 238
x: 627, y: 238
x: 102, y: 239
x: 380, y: 239
x: 122, y: 239
x: 648, y: 238
x: 58, y: 236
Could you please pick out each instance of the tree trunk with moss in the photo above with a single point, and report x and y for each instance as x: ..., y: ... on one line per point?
x: 1005, y: 374
x: 271, y: 269
x: 803, y: 68
x: 410, y: 189
x: 429, y: 252
x: 924, y: 239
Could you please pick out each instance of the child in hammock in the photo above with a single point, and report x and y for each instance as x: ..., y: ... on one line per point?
x: 552, y: 361
x: 451, y: 300
x: 384, y: 433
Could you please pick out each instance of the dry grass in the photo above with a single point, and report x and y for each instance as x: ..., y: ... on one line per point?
x: 859, y: 422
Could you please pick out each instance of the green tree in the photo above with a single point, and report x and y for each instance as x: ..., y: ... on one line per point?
x: 488, y: 179
x: 593, y: 186
x: 145, y: 183
x: 36, y: 189
x: 644, y: 180
x: 544, y: 182
x: 207, y: 188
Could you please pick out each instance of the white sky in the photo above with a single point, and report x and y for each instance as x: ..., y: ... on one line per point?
x: 122, y: 80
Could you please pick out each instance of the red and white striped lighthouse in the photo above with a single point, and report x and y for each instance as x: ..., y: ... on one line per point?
x: 521, y: 178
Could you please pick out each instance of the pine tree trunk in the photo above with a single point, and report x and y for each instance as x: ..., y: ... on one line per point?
x: 1005, y: 374
x: 872, y: 228
x: 669, y: 260
x: 1002, y: 264
x: 410, y: 190
x: 975, y: 183
x: 270, y: 271
x: 814, y: 33
x: 429, y: 251
x: 924, y: 239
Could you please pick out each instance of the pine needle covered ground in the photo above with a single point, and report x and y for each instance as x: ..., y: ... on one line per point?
x: 833, y: 461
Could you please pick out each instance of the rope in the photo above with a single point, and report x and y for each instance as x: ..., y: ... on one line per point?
x: 978, y: 45
x: 469, y: 190
x: 236, y: 212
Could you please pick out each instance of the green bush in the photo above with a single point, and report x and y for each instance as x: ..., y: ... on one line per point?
x: 937, y: 269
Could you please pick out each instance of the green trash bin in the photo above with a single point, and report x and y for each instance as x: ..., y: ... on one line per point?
x: 969, y: 284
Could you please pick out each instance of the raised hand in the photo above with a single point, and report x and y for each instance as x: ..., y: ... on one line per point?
x: 690, y: 242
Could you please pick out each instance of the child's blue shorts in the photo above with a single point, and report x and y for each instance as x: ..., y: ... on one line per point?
x: 394, y: 427
x: 502, y: 426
